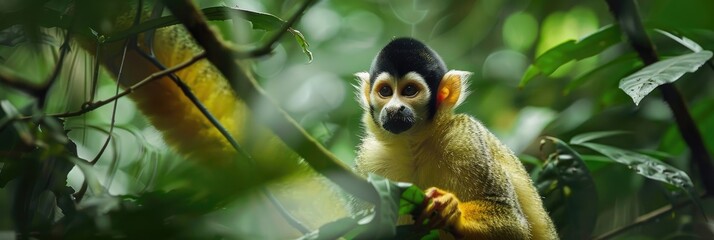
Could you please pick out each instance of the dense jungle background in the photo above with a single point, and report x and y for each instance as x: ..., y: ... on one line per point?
x: 609, y: 105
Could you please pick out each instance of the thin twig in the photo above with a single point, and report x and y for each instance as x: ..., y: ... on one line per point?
x: 284, y: 212
x: 12, y: 79
x: 95, y: 73
x: 115, y: 159
x: 87, y: 107
x: 64, y: 50
x: 645, y: 218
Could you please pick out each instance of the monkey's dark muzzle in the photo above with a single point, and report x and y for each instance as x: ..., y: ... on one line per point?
x: 398, y: 120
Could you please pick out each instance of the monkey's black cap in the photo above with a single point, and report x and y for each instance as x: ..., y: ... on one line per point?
x: 404, y: 55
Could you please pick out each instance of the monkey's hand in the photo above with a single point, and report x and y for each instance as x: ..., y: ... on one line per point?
x: 442, y: 211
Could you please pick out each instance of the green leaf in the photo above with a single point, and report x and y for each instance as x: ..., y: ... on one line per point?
x: 641, y: 83
x: 596, y: 162
x: 303, y: 43
x: 571, y: 50
x: 651, y: 168
x: 412, y: 198
x: 682, y: 40
x: 90, y: 175
x: 645, y: 165
x: 387, y: 211
x: 531, y: 73
x: 586, y: 137
x: 259, y: 20
x: 382, y: 225
x: 570, y: 192
x: 615, y: 69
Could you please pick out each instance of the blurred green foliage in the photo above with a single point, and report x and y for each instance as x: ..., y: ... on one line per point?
x: 495, y: 39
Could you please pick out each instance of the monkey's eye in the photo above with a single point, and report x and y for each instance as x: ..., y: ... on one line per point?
x: 385, y: 91
x: 410, y: 90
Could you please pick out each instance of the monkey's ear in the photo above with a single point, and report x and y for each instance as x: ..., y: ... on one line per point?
x: 363, y: 87
x: 453, y: 89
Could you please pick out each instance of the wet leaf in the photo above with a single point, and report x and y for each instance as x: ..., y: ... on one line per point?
x: 641, y: 83
x: 645, y: 165
x: 651, y: 168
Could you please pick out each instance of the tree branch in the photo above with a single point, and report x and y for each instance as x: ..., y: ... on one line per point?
x: 627, y: 15
x: 645, y: 218
x: 12, y: 79
x: 322, y: 160
x: 89, y: 106
x: 287, y: 26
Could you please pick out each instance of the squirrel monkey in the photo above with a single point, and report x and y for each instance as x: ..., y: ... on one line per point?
x: 477, y: 188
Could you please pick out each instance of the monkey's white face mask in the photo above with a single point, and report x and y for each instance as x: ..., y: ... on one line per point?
x: 397, y: 104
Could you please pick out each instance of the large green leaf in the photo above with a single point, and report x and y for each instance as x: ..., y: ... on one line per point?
x: 641, y: 83
x: 380, y: 223
x: 571, y: 50
x: 651, y: 168
x: 646, y: 166
x: 569, y: 191
x: 385, y: 222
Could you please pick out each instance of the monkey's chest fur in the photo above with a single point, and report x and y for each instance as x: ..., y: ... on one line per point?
x: 466, y: 166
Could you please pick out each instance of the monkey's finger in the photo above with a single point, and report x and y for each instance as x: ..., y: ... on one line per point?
x: 436, y: 221
x: 444, y: 207
x: 452, y: 218
x: 451, y: 206
x: 452, y: 215
x: 428, y: 211
x: 430, y: 192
